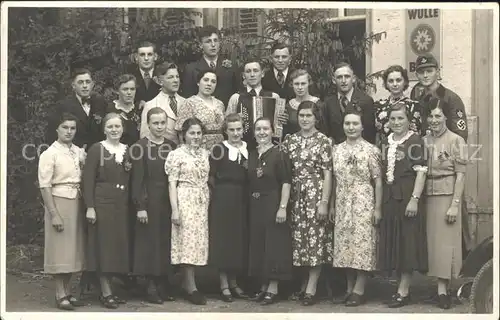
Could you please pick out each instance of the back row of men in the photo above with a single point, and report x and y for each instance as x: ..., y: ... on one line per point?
x: 160, y: 85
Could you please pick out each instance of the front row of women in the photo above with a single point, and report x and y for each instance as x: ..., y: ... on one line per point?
x: 272, y: 209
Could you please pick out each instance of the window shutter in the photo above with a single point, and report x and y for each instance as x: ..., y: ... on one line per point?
x: 249, y: 22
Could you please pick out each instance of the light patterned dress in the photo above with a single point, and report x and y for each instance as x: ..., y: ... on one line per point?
x: 311, y: 238
x: 190, y: 168
x: 212, y: 117
x: 355, y: 238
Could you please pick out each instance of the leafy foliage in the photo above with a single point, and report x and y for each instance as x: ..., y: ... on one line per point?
x: 45, y: 44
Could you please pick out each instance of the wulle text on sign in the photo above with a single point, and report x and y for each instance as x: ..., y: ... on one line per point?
x: 423, y: 13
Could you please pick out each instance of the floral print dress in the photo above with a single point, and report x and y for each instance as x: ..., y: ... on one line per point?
x: 382, y: 108
x: 190, y: 168
x: 355, y: 237
x: 311, y: 238
x: 212, y: 117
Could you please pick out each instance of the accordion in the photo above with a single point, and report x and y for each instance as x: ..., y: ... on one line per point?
x: 268, y: 107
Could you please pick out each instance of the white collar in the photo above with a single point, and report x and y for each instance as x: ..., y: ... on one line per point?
x: 150, y: 72
x: 258, y: 89
x: 236, y: 153
x: 118, y: 106
x: 208, y: 61
x: 348, y: 95
x: 285, y: 73
x: 117, y: 151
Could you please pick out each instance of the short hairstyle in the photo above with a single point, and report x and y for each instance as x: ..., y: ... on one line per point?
x: 65, y: 116
x: 109, y: 116
x: 145, y: 44
x: 252, y: 60
x: 263, y: 119
x: 207, y: 31
x: 279, y: 46
x: 298, y: 73
x: 203, y: 72
x: 354, y: 112
x: 80, y: 71
x: 396, y: 68
x: 188, y: 123
x: 306, y: 105
x: 124, y: 78
x: 161, y: 69
x: 155, y: 110
x: 400, y: 107
x: 230, y: 118
x: 342, y: 65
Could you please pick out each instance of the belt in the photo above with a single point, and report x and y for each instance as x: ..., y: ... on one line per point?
x: 440, y: 176
x: 67, y: 184
x: 191, y: 185
x: 116, y: 185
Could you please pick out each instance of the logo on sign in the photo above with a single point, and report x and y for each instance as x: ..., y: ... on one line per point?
x: 422, y: 39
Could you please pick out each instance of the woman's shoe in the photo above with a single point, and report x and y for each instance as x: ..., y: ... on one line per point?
x: 108, y: 302
x: 355, y: 300
x: 308, y: 299
x: 398, y: 301
x: 75, y: 302
x: 226, y: 297
x: 341, y: 299
x: 238, y: 293
x: 258, y: 297
x: 269, y: 298
x: 119, y: 300
x: 196, y: 297
x: 444, y: 301
x: 64, y: 304
x: 297, y: 296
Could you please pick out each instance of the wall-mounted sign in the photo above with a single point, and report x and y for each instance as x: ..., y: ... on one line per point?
x: 423, y: 36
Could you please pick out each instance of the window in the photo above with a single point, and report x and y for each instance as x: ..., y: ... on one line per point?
x: 246, y: 21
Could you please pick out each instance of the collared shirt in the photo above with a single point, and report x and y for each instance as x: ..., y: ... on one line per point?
x: 149, y: 71
x: 86, y: 106
x: 209, y: 61
x: 285, y: 73
x: 257, y: 89
x: 59, y: 169
x: 348, y: 95
x: 446, y: 155
x: 162, y: 100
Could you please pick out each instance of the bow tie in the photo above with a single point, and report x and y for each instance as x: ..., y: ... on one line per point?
x: 86, y: 100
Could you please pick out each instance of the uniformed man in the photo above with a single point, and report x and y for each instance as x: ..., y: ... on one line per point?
x: 427, y: 71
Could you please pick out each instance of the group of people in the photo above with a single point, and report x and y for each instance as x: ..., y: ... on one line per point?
x: 156, y: 180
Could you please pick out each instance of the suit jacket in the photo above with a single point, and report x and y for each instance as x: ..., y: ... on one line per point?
x: 88, y: 128
x: 228, y: 81
x: 270, y: 83
x: 334, y: 118
x: 143, y: 93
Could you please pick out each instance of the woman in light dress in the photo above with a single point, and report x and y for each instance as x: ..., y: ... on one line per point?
x: 188, y: 169
x: 356, y: 207
x: 59, y: 177
x: 205, y: 107
x: 447, y: 162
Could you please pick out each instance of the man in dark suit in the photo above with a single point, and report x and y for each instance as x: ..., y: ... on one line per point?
x: 348, y: 98
x: 278, y: 79
x: 146, y: 57
x: 87, y: 106
x: 228, y: 80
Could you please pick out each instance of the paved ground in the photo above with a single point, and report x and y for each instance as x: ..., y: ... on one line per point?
x: 34, y: 293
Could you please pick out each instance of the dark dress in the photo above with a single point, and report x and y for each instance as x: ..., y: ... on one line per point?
x: 403, y: 240
x: 150, y: 192
x: 106, y: 189
x: 131, y: 123
x: 228, y: 217
x: 270, y: 255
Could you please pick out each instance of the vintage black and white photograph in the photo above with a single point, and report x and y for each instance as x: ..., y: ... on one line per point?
x: 249, y: 157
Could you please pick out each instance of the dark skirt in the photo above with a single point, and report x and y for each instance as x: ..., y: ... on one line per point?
x: 108, y: 238
x: 152, y: 240
x: 270, y: 250
x: 403, y: 240
x: 228, y: 228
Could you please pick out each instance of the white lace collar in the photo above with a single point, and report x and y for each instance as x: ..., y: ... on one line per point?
x: 236, y: 153
x: 117, y: 151
x: 119, y: 106
x: 295, y: 104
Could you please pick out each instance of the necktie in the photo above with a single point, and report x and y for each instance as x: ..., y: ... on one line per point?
x: 343, y: 103
x: 253, y: 93
x: 212, y: 64
x: 147, y: 79
x: 173, y: 104
x: 281, y: 78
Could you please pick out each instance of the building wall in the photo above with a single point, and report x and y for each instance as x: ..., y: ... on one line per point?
x: 456, y: 52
